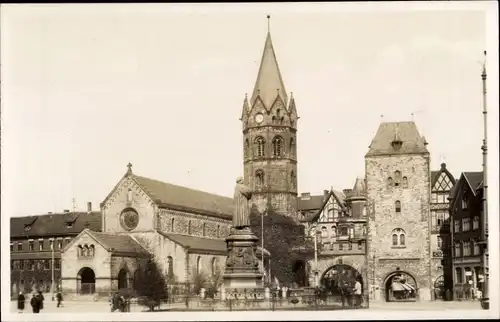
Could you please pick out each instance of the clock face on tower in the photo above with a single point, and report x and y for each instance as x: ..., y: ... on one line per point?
x: 259, y: 118
x: 129, y: 219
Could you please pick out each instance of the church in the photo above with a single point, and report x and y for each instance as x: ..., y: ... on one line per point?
x: 378, y: 230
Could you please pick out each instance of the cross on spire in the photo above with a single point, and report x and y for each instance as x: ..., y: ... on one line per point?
x: 129, y: 168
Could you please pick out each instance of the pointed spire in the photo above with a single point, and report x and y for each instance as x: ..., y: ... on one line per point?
x: 359, y: 188
x: 269, y: 80
x: 245, y: 108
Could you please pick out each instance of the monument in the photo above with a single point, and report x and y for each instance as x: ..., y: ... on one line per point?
x: 242, y: 277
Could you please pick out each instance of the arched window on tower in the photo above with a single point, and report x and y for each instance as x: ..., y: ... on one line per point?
x: 218, y: 231
x: 246, y: 149
x: 405, y: 183
x: 172, y: 225
x: 204, y: 229
x: 189, y: 227
x: 198, y: 265
x: 398, y: 238
x: 259, y: 177
x: 292, y: 147
x: 390, y: 182
x: 397, y: 178
x: 397, y: 205
x: 260, y: 145
x: 277, y: 146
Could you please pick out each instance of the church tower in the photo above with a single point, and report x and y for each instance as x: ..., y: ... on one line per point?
x: 269, y: 120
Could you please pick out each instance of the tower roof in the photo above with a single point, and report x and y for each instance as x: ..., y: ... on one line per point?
x: 269, y: 82
x: 359, y: 188
x: 390, y: 132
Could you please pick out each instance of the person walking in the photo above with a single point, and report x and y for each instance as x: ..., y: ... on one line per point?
x: 41, y: 299
x: 20, y: 302
x: 59, y: 298
x: 357, y: 293
x: 35, y: 303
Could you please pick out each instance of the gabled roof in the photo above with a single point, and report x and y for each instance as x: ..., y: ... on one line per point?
x: 167, y: 195
x: 113, y: 243
x: 339, y: 197
x: 436, y: 174
x: 269, y: 83
x: 198, y: 243
x: 310, y: 202
x: 407, y: 132
x: 473, y: 179
x: 55, y: 224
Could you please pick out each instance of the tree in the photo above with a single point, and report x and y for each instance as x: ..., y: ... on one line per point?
x: 281, y: 234
x: 150, y: 284
x: 199, y: 280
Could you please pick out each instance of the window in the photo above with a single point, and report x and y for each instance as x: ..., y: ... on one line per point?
x: 465, y: 202
x: 259, y: 176
x: 343, y: 231
x: 12, y: 265
x: 398, y: 238
x: 334, y: 232
x: 398, y: 206
x: 458, y: 250
x: 31, y: 245
x: 350, y: 246
x: 277, y: 145
x: 40, y: 244
x: 66, y: 241
x: 46, y: 264
x: 292, y: 147
x: 405, y: 182
x: 330, y: 213
x: 57, y: 263
x: 19, y: 247
x: 129, y: 195
x: 214, y: 265
x: 457, y: 225
x: 69, y: 225
x: 475, y: 223
x: 390, y: 182
x: 39, y: 265
x: 51, y: 244
x: 458, y: 275
x: 198, y: 265
x: 434, y: 197
x: 259, y: 142
x: 466, y: 224
x: 247, y: 147
x: 293, y: 179
x: 397, y: 178
x: 324, y: 232
x: 189, y: 227
x: 442, y: 198
x: 341, y: 246
x: 476, y: 250
x: 172, y: 225
x: 467, y: 248
x: 170, y: 266
x: 360, y: 245
x: 21, y: 264
x: 204, y: 229
x: 439, y: 242
x: 11, y: 247
x: 218, y: 231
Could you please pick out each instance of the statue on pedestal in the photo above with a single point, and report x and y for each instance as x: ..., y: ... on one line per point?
x: 242, y: 197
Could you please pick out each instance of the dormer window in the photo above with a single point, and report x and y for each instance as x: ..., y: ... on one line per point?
x: 396, y: 142
x: 27, y: 227
x: 69, y: 225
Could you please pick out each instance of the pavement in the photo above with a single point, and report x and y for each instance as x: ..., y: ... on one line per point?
x: 104, y: 307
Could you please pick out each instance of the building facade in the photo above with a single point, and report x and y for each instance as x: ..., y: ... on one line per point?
x: 36, y: 243
x: 398, y: 192
x: 466, y: 217
x: 442, y: 182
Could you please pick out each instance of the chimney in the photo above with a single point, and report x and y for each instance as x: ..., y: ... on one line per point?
x: 89, y: 206
x: 66, y: 211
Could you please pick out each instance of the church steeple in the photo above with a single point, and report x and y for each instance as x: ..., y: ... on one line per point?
x: 269, y: 82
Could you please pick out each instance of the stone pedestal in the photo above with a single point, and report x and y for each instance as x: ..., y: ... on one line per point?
x: 242, y: 277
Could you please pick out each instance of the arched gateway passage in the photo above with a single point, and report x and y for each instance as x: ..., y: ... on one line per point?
x: 340, y: 279
x: 300, y: 273
x: 400, y: 287
x: 123, y: 279
x: 86, y: 281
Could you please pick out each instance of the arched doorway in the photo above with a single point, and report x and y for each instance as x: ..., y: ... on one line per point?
x: 123, y: 278
x: 400, y: 287
x: 439, y: 288
x: 86, y: 281
x: 299, y: 270
x: 340, y: 279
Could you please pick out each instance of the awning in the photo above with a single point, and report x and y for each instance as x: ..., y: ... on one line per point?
x: 396, y: 286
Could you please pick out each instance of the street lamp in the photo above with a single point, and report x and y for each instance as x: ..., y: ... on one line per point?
x: 52, y: 265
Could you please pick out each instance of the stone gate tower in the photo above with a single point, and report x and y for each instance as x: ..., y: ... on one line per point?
x: 269, y: 120
x: 398, y: 193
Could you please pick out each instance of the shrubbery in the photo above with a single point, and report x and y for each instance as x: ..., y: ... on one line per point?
x: 150, y: 285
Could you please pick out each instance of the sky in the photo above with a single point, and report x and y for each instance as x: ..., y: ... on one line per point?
x: 87, y: 89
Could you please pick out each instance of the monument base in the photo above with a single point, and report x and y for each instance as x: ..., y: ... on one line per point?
x: 242, y: 278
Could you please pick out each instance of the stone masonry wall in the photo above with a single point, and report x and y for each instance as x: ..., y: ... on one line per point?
x: 414, y: 220
x: 214, y: 227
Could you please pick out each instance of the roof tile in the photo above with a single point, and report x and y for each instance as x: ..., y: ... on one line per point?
x: 407, y: 132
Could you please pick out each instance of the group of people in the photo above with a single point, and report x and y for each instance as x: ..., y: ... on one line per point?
x: 36, y: 301
x: 119, y: 303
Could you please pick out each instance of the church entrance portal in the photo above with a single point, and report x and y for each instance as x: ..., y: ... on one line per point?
x: 86, y: 281
x: 300, y: 273
x: 340, y: 279
x: 400, y: 287
x: 123, y: 279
